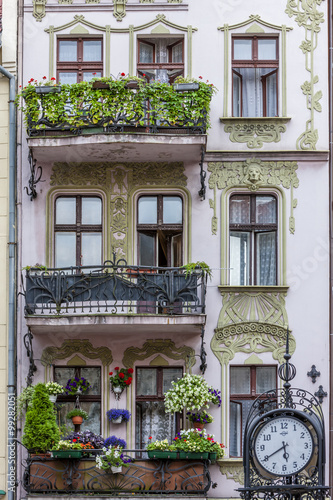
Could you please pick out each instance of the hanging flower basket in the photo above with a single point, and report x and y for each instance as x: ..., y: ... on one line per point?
x: 118, y: 415
x: 53, y: 398
x: 116, y: 470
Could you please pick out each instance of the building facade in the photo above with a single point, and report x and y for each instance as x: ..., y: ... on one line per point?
x: 112, y: 205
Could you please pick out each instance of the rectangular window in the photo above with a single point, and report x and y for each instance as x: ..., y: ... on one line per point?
x: 246, y: 384
x: 253, y: 240
x: 255, y: 63
x: 79, y: 59
x: 160, y: 230
x: 78, y: 231
x: 90, y: 401
x: 161, y: 58
x: 151, y: 418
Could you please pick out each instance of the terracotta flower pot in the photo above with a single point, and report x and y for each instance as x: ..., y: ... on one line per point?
x: 198, y: 425
x: 77, y: 420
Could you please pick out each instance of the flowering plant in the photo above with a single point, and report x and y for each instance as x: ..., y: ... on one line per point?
x: 54, y: 389
x: 76, y: 385
x: 161, y: 445
x: 112, y: 457
x: 86, y: 438
x: 114, y: 441
x: 201, y: 417
x: 122, y: 378
x: 116, y: 413
x: 192, y: 392
x: 77, y: 412
x: 197, y: 440
x: 66, y: 444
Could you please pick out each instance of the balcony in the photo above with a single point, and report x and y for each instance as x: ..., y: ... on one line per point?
x: 150, y: 121
x: 117, y: 295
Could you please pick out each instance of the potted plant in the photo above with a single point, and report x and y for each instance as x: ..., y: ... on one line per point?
x: 112, y: 459
x: 192, y: 267
x: 199, y: 419
x: 77, y: 415
x: 40, y: 432
x: 76, y: 386
x: 117, y: 415
x: 196, y: 443
x: 53, y: 390
x: 114, y: 441
x: 121, y: 379
x: 161, y: 449
x: 67, y: 449
x: 24, y: 400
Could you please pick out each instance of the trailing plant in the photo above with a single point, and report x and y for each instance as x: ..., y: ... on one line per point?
x: 24, y: 400
x: 122, y: 378
x: 112, y: 457
x: 116, y: 413
x: 40, y: 430
x: 191, y: 392
x: 77, y: 412
x: 196, y: 440
x: 76, y: 385
x: 114, y: 441
x: 192, y: 266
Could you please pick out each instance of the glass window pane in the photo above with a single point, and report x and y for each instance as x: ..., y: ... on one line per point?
x: 65, y: 249
x: 65, y: 211
x: 92, y: 50
x: 172, y: 210
x: 91, y: 211
x: 91, y: 249
x: 235, y: 429
x: 252, y: 92
x: 266, y: 258
x: 89, y: 75
x: 146, y: 53
x: 240, y: 209
x: 93, y: 375
x: 176, y: 250
x: 265, y: 210
x: 266, y: 49
x: 93, y: 423
x: 170, y: 374
x: 152, y: 420
x: 63, y: 374
x: 67, y: 77
x: 265, y: 378
x: 242, y: 49
x: 236, y: 94
x: 271, y: 96
x: 147, y: 210
x: 146, y: 381
x: 239, y: 258
x: 177, y: 53
x: 146, y: 249
x: 240, y: 380
x: 67, y: 50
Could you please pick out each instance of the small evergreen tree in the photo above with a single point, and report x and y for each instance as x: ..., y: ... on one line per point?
x: 40, y: 428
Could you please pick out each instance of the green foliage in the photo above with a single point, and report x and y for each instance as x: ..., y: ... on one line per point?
x: 192, y: 266
x: 24, y: 401
x: 40, y: 430
x: 77, y: 412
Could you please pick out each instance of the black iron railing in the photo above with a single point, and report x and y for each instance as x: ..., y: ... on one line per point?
x: 142, y: 477
x: 113, y: 288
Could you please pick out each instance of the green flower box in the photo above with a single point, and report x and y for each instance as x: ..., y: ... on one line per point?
x: 67, y: 453
x: 162, y: 454
x: 192, y: 455
x: 213, y: 457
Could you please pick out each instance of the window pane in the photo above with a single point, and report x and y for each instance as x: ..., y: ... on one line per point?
x: 266, y: 258
x: 67, y: 50
x: 67, y: 77
x: 271, y: 96
x: 252, y: 94
x: 265, y: 209
x: 240, y: 209
x: 91, y: 211
x: 172, y: 210
x: 265, y: 378
x: 242, y: 49
x: 89, y: 75
x: 92, y: 50
x: 146, y: 382
x: 146, y: 249
x: 176, y: 250
x: 146, y: 53
x: 65, y: 249
x: 147, y: 210
x: 93, y: 375
x: 267, y: 49
x: 63, y: 374
x: 152, y: 420
x: 91, y: 249
x: 235, y: 429
x: 65, y: 211
x: 239, y: 258
x: 92, y: 408
x: 240, y: 380
x: 177, y: 53
x: 236, y: 94
x: 170, y: 374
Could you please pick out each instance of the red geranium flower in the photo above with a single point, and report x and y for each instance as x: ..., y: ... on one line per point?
x: 200, y: 77
x: 122, y: 74
x: 44, y: 77
x: 117, y: 368
x: 121, y: 375
x: 74, y: 440
x: 52, y: 79
x: 130, y: 370
x: 111, y: 373
x: 150, y: 437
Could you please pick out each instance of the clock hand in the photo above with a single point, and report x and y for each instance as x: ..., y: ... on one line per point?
x: 285, y: 454
x: 282, y: 447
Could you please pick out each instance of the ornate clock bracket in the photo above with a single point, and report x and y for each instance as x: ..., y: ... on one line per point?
x: 203, y: 173
x: 35, y: 177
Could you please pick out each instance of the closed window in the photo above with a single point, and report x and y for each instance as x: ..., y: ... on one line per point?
x: 160, y: 230
x: 246, y: 384
x: 79, y: 59
x: 78, y: 231
x: 151, y: 418
x: 255, y: 64
x: 253, y: 239
x: 160, y: 59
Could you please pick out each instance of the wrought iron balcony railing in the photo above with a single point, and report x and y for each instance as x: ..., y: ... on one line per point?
x: 142, y: 477
x: 114, y: 288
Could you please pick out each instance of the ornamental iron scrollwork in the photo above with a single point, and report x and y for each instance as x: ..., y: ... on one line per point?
x: 203, y: 174
x: 35, y: 177
x: 27, y: 339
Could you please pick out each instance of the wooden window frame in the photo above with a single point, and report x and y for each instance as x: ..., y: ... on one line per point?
x: 141, y: 67
x: 79, y: 66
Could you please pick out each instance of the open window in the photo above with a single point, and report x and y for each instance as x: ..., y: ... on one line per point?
x: 160, y: 58
x: 79, y: 59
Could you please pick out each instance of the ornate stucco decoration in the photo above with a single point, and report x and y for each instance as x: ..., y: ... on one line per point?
x: 307, y: 16
x: 147, y: 1
x: 119, y: 11
x: 159, y: 346
x: 255, y: 131
x: 233, y: 470
x: 252, y: 319
x: 118, y: 180
x: 39, y: 9
x: 75, y: 346
x: 253, y: 174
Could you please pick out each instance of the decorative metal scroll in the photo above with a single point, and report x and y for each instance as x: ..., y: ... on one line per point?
x: 27, y: 339
x: 35, y: 177
x: 70, y: 476
x: 115, y: 288
x: 203, y: 173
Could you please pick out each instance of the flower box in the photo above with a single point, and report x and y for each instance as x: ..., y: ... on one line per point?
x: 213, y: 457
x: 192, y: 455
x: 52, y: 89
x: 164, y: 454
x: 67, y: 453
x: 100, y: 85
x: 182, y: 87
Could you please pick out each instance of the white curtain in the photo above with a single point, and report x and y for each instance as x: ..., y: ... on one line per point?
x: 266, y: 259
x: 252, y: 92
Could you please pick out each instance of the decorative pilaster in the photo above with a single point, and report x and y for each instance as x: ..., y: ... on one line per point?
x: 39, y: 9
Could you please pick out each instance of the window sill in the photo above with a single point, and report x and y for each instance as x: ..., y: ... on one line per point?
x: 253, y: 288
x: 232, y: 468
x: 255, y: 131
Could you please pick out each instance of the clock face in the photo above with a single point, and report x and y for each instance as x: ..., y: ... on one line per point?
x: 283, y: 446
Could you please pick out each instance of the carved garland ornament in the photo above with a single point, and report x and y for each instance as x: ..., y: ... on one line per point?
x: 253, y: 175
x: 165, y: 347
x: 70, y: 347
x: 118, y: 180
x: 308, y: 17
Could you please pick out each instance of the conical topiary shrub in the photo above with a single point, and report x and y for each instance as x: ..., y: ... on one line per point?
x: 40, y: 429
